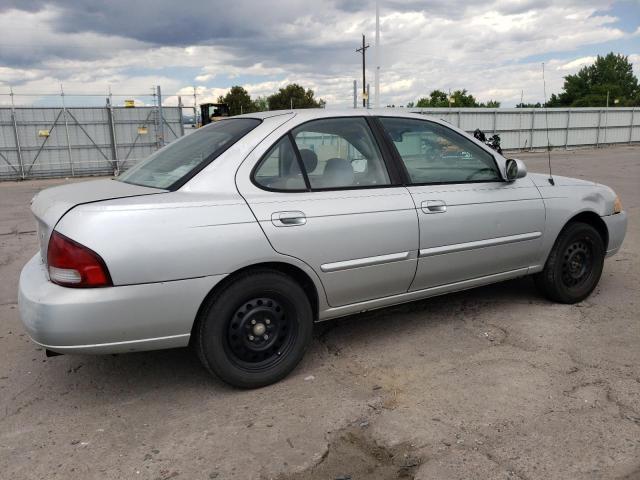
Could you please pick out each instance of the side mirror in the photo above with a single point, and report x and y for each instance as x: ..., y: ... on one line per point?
x: 515, y: 169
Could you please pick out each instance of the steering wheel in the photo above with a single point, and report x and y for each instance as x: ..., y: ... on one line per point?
x: 481, y: 170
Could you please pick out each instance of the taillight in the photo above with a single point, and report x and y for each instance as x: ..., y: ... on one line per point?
x: 74, y: 265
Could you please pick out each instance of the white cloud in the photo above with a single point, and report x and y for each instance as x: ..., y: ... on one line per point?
x: 451, y: 46
x: 577, y: 63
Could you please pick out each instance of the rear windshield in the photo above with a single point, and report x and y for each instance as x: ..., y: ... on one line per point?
x: 170, y: 167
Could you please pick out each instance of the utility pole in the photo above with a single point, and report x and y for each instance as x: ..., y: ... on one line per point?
x: 363, y: 50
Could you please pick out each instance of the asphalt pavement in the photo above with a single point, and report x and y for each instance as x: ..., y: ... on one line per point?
x: 491, y: 383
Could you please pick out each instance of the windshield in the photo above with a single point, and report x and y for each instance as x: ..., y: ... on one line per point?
x: 170, y: 167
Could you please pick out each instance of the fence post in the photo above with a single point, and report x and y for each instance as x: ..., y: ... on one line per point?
x: 17, y: 136
x: 180, y: 116
x: 161, y: 117
x: 112, y: 137
x: 566, y: 134
x: 598, y: 131
x: 495, y: 120
x: 533, y: 118
x: 606, y: 122
x: 520, y: 130
x: 66, y: 129
x: 633, y: 111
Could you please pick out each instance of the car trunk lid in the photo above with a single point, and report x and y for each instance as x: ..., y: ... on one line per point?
x: 50, y: 205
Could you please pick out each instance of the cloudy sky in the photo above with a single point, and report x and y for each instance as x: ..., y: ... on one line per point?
x: 493, y: 48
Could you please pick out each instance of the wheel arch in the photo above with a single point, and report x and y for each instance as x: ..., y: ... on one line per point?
x: 293, y: 271
x: 591, y: 218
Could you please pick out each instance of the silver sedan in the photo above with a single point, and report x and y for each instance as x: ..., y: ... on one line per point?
x: 237, y: 238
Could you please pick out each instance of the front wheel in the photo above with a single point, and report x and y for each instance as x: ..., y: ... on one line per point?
x: 256, y: 330
x: 574, y: 266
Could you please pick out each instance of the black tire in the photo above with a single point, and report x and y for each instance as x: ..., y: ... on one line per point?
x: 255, y: 331
x: 574, y: 266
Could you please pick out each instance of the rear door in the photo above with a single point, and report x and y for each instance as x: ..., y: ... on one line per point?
x: 323, y: 193
x: 472, y: 223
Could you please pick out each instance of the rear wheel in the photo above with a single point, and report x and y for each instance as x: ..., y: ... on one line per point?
x: 574, y: 266
x: 256, y: 330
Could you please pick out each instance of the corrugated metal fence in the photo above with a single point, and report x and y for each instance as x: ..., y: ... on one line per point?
x: 60, y: 142
x: 526, y: 128
x: 38, y: 142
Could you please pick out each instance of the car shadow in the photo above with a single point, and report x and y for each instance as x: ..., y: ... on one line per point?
x: 503, y: 294
x: 135, y: 373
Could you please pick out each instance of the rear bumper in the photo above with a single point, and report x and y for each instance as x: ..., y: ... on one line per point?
x: 617, y: 227
x: 109, y: 320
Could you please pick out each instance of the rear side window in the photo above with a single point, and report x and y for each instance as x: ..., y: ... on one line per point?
x: 279, y: 168
x: 433, y: 153
x: 170, y: 167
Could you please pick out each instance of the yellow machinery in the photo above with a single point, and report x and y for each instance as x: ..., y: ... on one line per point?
x: 212, y: 112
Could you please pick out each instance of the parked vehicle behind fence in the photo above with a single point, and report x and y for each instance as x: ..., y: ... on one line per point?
x: 237, y: 238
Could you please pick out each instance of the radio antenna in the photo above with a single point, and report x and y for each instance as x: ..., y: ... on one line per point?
x: 546, y: 121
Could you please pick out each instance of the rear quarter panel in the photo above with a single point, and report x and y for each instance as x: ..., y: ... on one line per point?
x: 169, y: 236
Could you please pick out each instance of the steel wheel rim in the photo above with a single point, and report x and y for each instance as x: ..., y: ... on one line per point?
x: 577, y: 263
x: 260, y: 333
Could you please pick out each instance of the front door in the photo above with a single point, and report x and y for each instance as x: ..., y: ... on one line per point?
x: 323, y: 194
x: 472, y: 223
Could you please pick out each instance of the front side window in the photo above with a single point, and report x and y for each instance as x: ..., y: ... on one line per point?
x: 433, y: 153
x: 340, y: 153
x: 170, y: 166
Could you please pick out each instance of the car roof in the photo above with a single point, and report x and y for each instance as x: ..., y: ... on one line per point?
x: 311, y: 113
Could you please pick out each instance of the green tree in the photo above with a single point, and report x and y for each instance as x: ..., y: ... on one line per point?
x: 612, y: 73
x: 261, y: 104
x: 295, y: 95
x: 239, y: 101
x: 459, y: 98
x: 437, y: 98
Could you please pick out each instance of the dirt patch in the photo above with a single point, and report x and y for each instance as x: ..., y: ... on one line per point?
x: 353, y: 455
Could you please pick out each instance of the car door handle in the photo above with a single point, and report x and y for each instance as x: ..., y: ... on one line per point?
x: 433, y: 206
x: 288, y: 219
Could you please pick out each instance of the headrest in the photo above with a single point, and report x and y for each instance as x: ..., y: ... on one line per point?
x: 338, y: 172
x: 309, y: 159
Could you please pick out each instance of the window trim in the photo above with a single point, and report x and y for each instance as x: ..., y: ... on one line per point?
x: 395, y: 177
x: 403, y: 168
x: 298, y: 155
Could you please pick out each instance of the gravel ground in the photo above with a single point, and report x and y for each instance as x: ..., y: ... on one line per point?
x: 489, y: 383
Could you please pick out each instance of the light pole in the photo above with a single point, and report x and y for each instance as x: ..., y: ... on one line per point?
x: 377, y: 71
